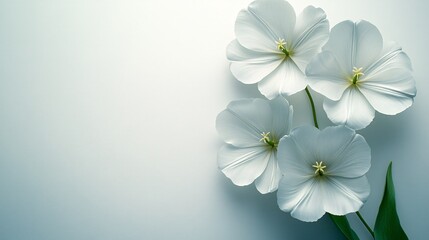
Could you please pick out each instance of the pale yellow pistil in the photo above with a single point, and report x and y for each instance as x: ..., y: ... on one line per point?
x: 281, y: 46
x: 320, y: 168
x: 357, y: 73
x: 266, y: 139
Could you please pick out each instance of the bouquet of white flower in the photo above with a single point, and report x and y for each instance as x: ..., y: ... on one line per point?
x: 313, y: 171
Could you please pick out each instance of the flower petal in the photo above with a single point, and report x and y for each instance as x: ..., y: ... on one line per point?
x: 354, y: 44
x: 389, y: 86
x: 301, y: 197
x: 249, y: 66
x: 253, y: 34
x: 243, y: 165
x: 235, y: 52
x: 250, y: 73
x: 264, y: 23
x: 368, y: 44
x: 344, y: 195
x: 394, y: 93
x: 345, y: 153
x: 286, y: 79
x: 392, y: 56
x: 269, y: 180
x: 296, y: 152
x: 340, y: 43
x: 325, y: 76
x: 332, y: 142
x: 282, y: 114
x: 277, y: 15
x: 311, y: 32
x: 292, y: 188
x: 242, y: 123
x: 352, y: 110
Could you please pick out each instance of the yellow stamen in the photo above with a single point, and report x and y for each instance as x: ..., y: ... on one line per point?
x: 357, y: 73
x: 320, y: 168
x: 281, y: 44
x: 266, y: 139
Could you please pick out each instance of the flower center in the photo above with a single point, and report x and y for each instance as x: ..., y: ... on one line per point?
x: 281, y: 46
x: 266, y: 139
x: 320, y: 168
x: 357, y: 73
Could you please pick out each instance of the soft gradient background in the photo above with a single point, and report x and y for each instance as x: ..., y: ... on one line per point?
x: 107, y: 122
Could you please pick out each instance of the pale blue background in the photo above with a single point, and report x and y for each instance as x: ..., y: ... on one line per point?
x: 107, y: 112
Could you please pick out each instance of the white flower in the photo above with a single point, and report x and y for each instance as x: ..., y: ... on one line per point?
x: 358, y: 74
x: 252, y: 129
x: 324, y: 171
x: 273, y: 47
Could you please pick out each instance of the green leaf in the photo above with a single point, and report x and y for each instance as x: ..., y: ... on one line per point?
x: 387, y: 225
x: 343, y: 224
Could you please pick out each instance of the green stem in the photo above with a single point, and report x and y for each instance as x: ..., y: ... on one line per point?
x: 366, y: 224
x: 313, y: 109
